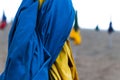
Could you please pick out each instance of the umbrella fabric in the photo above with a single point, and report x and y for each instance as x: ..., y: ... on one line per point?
x: 76, y: 26
x: 36, y: 38
x: 110, y: 29
x: 75, y: 34
x: 64, y: 67
x: 2, y: 25
x: 3, y: 22
x: 97, y: 28
x: 3, y: 17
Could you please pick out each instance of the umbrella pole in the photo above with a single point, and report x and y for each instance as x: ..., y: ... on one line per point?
x: 110, y: 40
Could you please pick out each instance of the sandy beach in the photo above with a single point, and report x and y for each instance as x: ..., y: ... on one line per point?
x: 97, y: 58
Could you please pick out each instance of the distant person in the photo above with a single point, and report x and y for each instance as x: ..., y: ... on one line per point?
x: 38, y: 41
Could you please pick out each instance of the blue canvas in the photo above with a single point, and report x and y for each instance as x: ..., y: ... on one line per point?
x: 3, y: 17
x: 36, y: 38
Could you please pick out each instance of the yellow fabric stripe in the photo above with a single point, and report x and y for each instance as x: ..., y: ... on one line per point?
x: 41, y: 2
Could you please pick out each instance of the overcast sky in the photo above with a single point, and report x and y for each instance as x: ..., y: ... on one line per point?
x: 90, y: 12
x: 10, y: 7
x: 98, y: 12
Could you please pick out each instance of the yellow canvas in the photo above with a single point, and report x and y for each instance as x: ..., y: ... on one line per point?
x: 76, y: 36
x: 64, y: 67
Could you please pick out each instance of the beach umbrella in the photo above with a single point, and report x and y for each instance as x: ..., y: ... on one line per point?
x: 76, y: 26
x: 3, y: 22
x: 110, y: 31
x: 36, y: 38
x: 97, y: 28
x: 75, y: 32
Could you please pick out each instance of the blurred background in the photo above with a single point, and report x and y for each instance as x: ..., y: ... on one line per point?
x: 90, y: 12
x: 95, y: 43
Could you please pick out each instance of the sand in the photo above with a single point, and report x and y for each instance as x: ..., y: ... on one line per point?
x: 97, y: 58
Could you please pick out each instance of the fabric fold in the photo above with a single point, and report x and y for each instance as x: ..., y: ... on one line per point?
x: 36, y: 38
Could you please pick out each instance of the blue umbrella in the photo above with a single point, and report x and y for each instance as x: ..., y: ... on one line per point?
x: 36, y: 38
x: 3, y: 17
x: 110, y: 29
